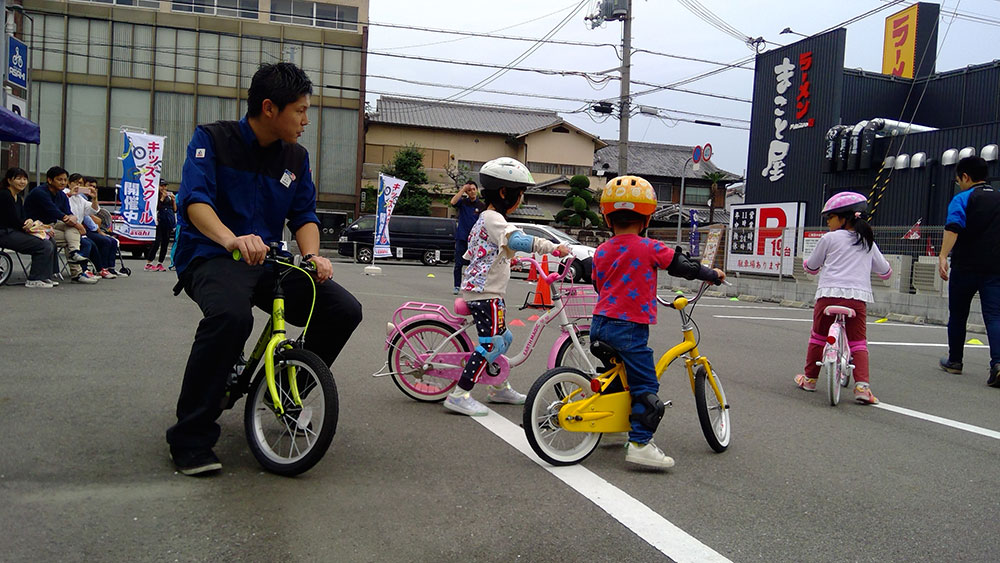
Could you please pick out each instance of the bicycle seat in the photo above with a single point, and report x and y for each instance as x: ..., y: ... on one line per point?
x: 461, y: 309
x: 605, y: 353
x: 838, y: 310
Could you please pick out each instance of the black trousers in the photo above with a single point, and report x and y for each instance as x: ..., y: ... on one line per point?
x: 226, y: 291
x: 161, y: 242
x: 42, y: 252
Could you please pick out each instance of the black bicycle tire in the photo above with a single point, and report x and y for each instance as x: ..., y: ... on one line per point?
x: 701, y: 390
x: 331, y: 410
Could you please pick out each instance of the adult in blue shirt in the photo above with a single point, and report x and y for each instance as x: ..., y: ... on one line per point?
x: 49, y: 204
x: 468, y: 205
x: 242, y: 180
x: 972, y: 236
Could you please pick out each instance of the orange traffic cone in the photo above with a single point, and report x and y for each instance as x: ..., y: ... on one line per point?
x: 543, y: 295
x: 532, y: 273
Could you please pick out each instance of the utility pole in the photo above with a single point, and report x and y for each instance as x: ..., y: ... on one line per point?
x: 614, y: 10
x: 623, y: 102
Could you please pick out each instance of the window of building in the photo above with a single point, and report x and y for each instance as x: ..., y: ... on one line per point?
x: 304, y: 12
x: 155, y: 4
x: 696, y: 195
x: 247, y: 9
x: 337, y: 164
x: 86, y: 129
x: 560, y: 129
x: 564, y: 169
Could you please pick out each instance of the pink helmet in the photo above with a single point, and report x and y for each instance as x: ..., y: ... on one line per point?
x: 846, y: 203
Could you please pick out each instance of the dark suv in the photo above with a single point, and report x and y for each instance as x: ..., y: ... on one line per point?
x: 417, y: 238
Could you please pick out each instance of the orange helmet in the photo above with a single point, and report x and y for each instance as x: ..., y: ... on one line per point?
x: 630, y: 193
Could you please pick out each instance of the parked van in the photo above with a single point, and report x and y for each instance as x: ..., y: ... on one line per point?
x: 417, y: 238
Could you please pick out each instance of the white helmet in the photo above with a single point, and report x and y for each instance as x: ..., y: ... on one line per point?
x: 504, y: 172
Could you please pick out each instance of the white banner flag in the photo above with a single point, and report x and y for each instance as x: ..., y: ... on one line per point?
x: 389, y: 189
x: 142, y: 160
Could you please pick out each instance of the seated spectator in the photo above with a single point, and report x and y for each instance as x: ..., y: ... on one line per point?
x: 47, y: 203
x: 83, y: 202
x: 105, y: 225
x: 23, y: 235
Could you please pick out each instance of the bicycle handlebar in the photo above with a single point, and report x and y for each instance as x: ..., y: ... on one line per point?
x: 277, y: 256
x: 550, y: 277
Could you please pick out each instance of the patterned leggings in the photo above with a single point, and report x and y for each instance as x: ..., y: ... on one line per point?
x: 489, y: 315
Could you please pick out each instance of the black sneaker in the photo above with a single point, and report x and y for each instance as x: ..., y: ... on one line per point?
x: 950, y: 366
x: 994, y: 380
x: 195, y: 462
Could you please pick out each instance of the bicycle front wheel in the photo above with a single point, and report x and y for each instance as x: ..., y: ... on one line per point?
x: 554, y: 389
x: 712, y: 415
x: 422, y: 337
x: 568, y: 356
x: 293, y: 442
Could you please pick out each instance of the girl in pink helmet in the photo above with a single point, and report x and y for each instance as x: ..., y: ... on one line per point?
x: 844, y: 259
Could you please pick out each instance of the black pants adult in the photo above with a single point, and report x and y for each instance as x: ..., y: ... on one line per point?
x: 161, y: 242
x: 42, y: 252
x: 226, y: 291
x: 461, y: 246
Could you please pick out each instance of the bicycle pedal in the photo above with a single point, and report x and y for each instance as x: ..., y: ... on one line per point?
x: 668, y: 404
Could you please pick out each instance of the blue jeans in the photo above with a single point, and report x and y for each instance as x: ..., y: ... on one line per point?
x: 461, y: 245
x: 631, y: 341
x: 105, y: 245
x: 962, y: 287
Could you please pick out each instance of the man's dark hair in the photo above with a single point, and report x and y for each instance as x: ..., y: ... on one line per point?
x: 74, y: 177
x: 282, y: 83
x: 55, y: 171
x: 473, y: 182
x: 89, y: 180
x: 974, y: 166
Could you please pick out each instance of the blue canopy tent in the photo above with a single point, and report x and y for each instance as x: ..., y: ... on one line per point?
x: 16, y: 129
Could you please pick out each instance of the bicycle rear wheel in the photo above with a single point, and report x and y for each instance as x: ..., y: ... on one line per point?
x: 712, y: 415
x: 833, y: 368
x: 407, y: 369
x: 554, y: 389
x: 293, y: 442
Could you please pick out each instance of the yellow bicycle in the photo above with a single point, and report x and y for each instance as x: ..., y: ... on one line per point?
x: 567, y: 411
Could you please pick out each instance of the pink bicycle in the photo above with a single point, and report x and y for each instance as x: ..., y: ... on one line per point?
x: 428, y: 344
x: 836, y: 362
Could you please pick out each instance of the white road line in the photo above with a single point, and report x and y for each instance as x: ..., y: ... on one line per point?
x: 654, y: 529
x: 924, y: 344
x: 944, y: 421
x: 809, y: 320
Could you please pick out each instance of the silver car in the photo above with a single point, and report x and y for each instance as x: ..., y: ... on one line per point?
x: 580, y: 251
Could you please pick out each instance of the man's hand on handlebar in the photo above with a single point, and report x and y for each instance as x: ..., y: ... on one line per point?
x: 252, y: 248
x: 324, y: 269
x: 721, y: 274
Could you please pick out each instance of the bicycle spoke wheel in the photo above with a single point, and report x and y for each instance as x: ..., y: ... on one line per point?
x: 568, y: 356
x: 407, y: 368
x: 291, y: 443
x: 713, y: 415
x: 831, y: 370
x: 554, y: 389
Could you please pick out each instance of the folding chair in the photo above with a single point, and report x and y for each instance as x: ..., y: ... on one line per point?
x: 7, y: 265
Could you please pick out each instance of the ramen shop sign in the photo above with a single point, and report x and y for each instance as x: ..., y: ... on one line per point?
x: 786, y: 111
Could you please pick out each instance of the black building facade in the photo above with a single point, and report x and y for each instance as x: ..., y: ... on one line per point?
x: 818, y: 129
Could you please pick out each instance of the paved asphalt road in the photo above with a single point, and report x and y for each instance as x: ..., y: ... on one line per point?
x: 90, y: 376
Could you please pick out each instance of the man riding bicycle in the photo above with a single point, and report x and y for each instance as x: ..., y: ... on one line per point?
x: 242, y: 180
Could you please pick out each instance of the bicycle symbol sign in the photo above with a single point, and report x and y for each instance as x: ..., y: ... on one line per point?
x: 17, y: 62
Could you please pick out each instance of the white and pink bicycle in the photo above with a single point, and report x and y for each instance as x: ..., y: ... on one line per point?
x: 429, y: 344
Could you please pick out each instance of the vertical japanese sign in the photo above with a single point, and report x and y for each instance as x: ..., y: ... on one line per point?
x: 142, y: 160
x: 694, y: 237
x: 388, y: 192
x: 899, y: 51
x: 762, y: 237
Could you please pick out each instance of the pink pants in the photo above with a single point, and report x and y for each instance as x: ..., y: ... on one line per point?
x: 857, y: 336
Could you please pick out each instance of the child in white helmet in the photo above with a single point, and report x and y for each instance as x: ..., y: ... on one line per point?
x: 492, y: 243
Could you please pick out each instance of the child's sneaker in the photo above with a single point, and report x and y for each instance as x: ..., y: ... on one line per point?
x: 647, y: 454
x: 160, y: 268
x: 863, y: 394
x: 504, y: 394
x: 461, y: 402
x: 805, y: 383
x: 107, y: 274
x: 149, y: 268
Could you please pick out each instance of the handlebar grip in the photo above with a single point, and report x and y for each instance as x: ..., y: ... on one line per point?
x: 237, y: 255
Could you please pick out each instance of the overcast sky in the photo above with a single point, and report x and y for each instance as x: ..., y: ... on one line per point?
x: 659, y: 25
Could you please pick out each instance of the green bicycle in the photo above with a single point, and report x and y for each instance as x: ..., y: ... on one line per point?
x: 292, y: 406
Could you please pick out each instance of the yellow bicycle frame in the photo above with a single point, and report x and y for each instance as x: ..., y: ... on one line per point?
x: 608, y: 412
x: 277, y: 339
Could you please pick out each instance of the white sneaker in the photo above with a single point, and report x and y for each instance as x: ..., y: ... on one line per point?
x: 38, y: 283
x: 504, y: 394
x: 53, y: 282
x: 84, y: 279
x: 647, y: 454
x: 461, y: 402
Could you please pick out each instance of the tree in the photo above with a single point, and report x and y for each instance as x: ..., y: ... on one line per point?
x: 408, y: 164
x: 715, y: 178
x: 578, y: 203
